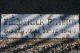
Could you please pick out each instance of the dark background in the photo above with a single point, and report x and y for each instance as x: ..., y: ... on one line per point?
x: 40, y: 6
